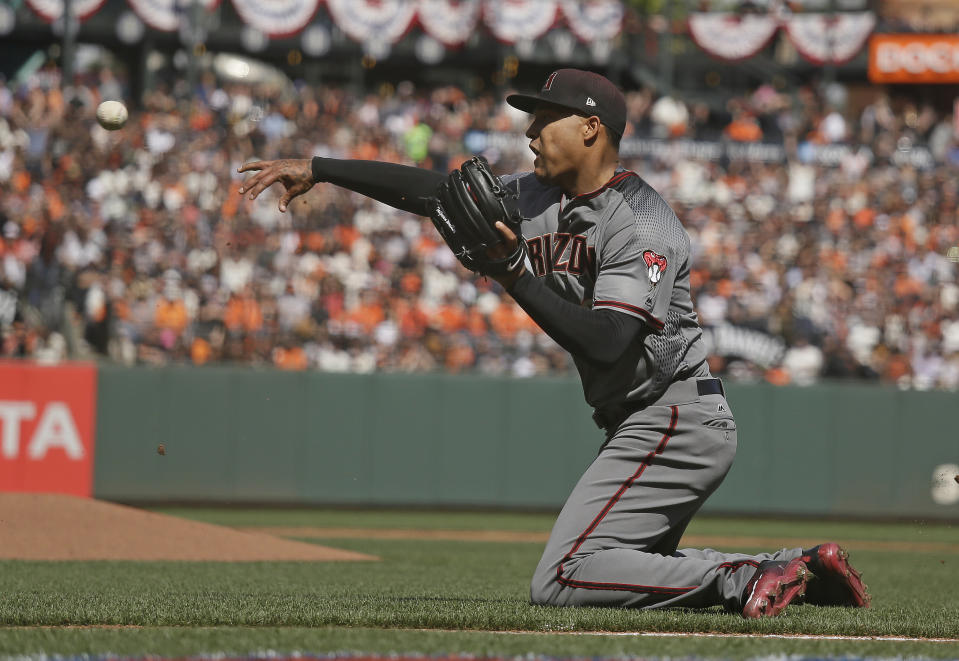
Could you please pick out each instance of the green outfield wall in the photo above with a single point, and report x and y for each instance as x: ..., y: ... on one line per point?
x: 238, y: 435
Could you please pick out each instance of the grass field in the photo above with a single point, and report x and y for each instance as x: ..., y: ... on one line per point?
x: 461, y: 597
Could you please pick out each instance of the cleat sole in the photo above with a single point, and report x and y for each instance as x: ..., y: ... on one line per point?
x: 837, y: 582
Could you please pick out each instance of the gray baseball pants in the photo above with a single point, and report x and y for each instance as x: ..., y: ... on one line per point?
x: 615, y: 541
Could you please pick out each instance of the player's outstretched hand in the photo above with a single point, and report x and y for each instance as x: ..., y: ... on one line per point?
x: 296, y: 175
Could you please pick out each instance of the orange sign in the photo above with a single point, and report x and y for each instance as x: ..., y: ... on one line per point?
x: 914, y: 58
x: 47, y: 427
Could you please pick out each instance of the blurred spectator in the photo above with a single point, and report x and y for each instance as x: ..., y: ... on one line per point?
x: 670, y: 117
x: 803, y: 362
x: 744, y: 127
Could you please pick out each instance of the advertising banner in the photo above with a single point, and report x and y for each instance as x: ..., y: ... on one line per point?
x: 47, y: 427
x: 914, y: 58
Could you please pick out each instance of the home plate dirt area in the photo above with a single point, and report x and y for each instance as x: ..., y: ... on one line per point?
x: 60, y: 527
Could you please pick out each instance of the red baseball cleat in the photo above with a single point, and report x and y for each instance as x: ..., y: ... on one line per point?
x: 773, y: 587
x: 835, y: 582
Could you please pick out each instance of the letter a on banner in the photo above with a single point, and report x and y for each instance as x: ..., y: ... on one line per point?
x: 56, y: 429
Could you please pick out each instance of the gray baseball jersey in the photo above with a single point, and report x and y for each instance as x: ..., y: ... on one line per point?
x: 615, y: 543
x: 621, y: 248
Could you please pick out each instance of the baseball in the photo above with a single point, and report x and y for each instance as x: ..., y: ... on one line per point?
x: 112, y: 115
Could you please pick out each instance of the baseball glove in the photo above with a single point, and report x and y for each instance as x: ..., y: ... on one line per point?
x: 465, y: 210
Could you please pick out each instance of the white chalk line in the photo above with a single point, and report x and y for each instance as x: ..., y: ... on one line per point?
x: 680, y: 634
x: 611, y: 634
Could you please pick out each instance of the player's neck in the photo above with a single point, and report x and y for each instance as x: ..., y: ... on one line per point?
x: 589, y: 179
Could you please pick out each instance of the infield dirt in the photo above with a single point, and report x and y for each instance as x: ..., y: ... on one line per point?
x: 60, y: 527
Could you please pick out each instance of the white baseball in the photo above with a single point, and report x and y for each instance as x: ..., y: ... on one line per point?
x: 112, y: 115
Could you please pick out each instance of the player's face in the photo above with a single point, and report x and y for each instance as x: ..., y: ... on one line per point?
x: 556, y: 141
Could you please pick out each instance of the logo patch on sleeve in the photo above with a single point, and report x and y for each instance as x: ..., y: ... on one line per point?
x: 655, y: 265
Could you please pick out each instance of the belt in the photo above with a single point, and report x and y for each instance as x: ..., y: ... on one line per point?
x: 679, y: 392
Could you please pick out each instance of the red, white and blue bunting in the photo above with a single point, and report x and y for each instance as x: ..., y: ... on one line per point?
x: 51, y: 10
x: 277, y: 18
x: 730, y: 36
x: 165, y: 15
x: 450, y: 22
x: 519, y: 20
x: 822, y: 38
x: 593, y: 20
x: 383, y: 21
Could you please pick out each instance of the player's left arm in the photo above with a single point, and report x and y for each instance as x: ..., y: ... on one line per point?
x: 400, y: 186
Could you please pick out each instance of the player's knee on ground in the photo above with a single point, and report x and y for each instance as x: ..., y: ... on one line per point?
x: 544, y: 590
x: 539, y: 596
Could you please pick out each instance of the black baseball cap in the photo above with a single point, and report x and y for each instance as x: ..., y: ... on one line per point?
x: 583, y: 91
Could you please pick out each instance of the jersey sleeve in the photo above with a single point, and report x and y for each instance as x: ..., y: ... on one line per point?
x: 637, y: 265
x: 400, y: 186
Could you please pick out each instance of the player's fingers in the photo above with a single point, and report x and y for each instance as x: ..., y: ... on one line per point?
x: 292, y: 192
x: 509, y: 237
x: 255, y: 165
x: 260, y: 167
x: 250, y: 182
x: 260, y: 182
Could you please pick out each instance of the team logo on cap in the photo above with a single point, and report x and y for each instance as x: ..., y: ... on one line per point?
x: 655, y: 265
x: 549, y: 81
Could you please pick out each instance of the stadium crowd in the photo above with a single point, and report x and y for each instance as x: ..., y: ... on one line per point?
x: 134, y: 245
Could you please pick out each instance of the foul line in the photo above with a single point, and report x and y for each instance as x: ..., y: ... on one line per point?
x: 680, y: 634
x: 609, y: 634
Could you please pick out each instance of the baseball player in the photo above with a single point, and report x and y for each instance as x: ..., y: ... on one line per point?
x: 606, y: 274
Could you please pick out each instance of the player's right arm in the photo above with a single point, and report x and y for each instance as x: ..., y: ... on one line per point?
x: 399, y: 186
x: 600, y: 337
